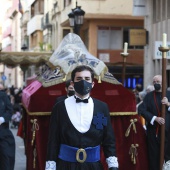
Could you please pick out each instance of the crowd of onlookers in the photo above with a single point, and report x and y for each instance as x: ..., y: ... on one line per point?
x: 15, y: 95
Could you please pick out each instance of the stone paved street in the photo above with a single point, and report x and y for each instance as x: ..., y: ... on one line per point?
x: 20, y: 158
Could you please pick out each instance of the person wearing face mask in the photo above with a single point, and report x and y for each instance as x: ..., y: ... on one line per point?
x: 7, y: 141
x: 150, y: 109
x: 69, y: 90
x: 78, y: 126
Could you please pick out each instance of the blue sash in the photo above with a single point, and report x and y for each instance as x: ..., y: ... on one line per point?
x: 73, y: 154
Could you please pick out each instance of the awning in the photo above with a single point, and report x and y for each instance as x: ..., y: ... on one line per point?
x: 24, y: 58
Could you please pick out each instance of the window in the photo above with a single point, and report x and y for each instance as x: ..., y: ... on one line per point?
x: 66, y: 3
x: 168, y: 7
x: 86, y: 38
x: 154, y: 11
x: 34, y: 38
x: 66, y: 31
x: 109, y: 38
x: 37, y: 8
x: 164, y: 9
x: 158, y: 10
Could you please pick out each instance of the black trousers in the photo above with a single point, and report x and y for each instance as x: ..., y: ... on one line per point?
x: 154, y: 148
x: 7, y: 149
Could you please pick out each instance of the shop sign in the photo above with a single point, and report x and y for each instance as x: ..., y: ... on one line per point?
x: 137, y: 37
x: 157, y: 53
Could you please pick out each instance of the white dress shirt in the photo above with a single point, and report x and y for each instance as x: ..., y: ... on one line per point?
x: 81, y: 115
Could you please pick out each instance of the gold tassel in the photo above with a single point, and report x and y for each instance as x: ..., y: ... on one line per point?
x: 134, y: 127
x: 35, y: 127
x: 129, y: 128
x: 34, y: 159
x: 99, y: 79
x: 33, y: 138
x: 64, y: 79
x: 134, y: 161
x: 133, y: 152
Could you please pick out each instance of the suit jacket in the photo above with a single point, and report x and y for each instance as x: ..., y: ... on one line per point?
x: 61, y: 98
x: 148, y: 108
x: 6, y: 109
x: 62, y: 131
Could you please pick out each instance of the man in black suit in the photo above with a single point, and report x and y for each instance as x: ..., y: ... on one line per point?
x: 7, y: 142
x: 79, y: 125
x: 150, y: 109
x: 69, y: 90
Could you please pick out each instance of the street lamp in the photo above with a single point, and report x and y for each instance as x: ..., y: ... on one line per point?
x: 24, y: 47
x: 76, y: 17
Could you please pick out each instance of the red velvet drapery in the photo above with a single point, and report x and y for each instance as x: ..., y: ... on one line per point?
x: 131, y: 150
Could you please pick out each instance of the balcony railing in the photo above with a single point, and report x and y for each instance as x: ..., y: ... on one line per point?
x: 47, y: 21
x: 42, y: 22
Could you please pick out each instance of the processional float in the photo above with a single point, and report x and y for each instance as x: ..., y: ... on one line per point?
x: 39, y: 98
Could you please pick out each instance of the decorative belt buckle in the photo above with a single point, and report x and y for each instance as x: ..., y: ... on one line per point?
x: 78, y: 155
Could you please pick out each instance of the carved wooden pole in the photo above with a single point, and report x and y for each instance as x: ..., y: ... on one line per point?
x: 164, y: 50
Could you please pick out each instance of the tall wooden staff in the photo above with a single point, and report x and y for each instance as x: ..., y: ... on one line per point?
x: 164, y: 49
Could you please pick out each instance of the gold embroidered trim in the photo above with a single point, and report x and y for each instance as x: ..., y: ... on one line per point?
x: 122, y: 113
x: 49, y: 113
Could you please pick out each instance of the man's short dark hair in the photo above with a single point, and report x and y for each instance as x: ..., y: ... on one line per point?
x: 67, y: 83
x: 80, y: 69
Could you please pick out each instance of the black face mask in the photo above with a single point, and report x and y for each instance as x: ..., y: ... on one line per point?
x: 71, y: 92
x: 157, y: 87
x: 82, y: 87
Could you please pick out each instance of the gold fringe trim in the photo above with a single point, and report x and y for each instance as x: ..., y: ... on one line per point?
x: 36, y: 113
x: 111, y: 113
x: 51, y: 65
x: 49, y: 113
x: 122, y: 113
x: 112, y: 81
x: 39, y: 113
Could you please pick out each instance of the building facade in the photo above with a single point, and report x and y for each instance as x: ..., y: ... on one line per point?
x: 157, y: 22
x: 11, y: 39
x: 106, y: 27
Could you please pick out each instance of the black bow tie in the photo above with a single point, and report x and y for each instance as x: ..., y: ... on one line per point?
x: 78, y: 100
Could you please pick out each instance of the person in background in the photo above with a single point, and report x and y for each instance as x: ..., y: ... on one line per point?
x: 149, y: 88
x: 136, y: 91
x: 78, y: 126
x: 69, y: 90
x: 8, y: 93
x: 7, y: 141
x: 16, y: 117
x: 150, y: 109
x: 1, y: 87
x: 142, y: 94
x: 18, y: 96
